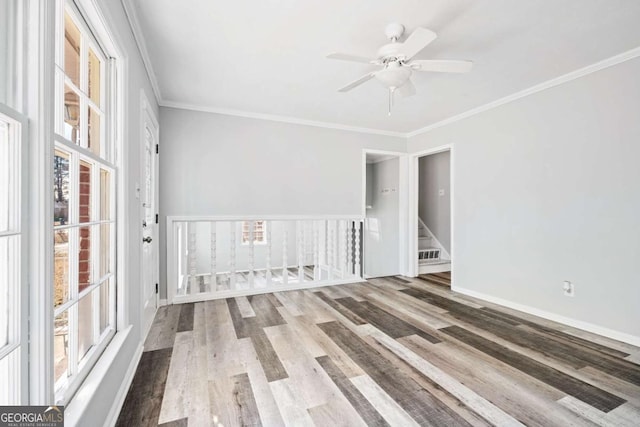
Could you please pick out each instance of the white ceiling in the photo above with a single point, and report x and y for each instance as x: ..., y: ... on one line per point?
x: 267, y: 57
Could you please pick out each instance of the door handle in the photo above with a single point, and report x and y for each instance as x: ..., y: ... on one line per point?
x: 147, y: 239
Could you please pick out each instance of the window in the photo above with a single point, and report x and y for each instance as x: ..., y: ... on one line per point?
x: 12, y: 349
x: 259, y: 232
x: 84, y: 195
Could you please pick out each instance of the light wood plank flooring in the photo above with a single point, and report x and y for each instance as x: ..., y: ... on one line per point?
x: 390, y: 351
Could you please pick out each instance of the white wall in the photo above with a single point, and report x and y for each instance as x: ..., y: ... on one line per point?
x: 381, y: 231
x: 213, y: 164
x: 435, y: 209
x: 547, y: 188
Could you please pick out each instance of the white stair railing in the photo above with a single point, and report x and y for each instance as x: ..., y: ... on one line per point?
x: 329, y: 248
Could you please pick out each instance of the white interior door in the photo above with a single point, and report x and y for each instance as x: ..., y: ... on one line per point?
x: 149, y: 200
x: 382, y: 218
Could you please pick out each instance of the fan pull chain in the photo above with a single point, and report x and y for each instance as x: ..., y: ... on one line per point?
x: 391, y: 91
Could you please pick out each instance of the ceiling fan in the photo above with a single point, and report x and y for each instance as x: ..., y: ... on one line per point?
x: 396, y: 60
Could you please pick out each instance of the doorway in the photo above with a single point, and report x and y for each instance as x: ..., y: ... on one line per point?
x: 149, y: 213
x: 383, y: 213
x: 433, y: 216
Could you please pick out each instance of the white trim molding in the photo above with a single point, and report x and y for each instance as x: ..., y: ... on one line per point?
x: 138, y: 35
x: 568, y: 321
x: 412, y: 217
x: 118, y: 402
x: 278, y: 118
x: 609, y: 62
x: 142, y: 46
x: 76, y: 408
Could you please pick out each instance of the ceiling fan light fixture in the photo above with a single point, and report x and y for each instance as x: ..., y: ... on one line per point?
x: 393, y: 76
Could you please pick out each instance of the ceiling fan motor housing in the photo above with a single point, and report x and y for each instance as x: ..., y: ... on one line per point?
x: 390, y: 52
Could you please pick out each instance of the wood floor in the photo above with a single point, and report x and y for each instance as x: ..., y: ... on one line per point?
x: 391, y: 351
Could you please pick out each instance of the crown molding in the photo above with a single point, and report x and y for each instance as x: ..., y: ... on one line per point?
x: 614, y: 60
x: 278, y: 118
x: 134, y: 22
x: 138, y: 36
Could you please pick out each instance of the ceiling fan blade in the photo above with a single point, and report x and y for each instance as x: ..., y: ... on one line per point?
x: 406, y: 90
x: 442, y: 66
x: 348, y: 57
x: 417, y: 41
x: 358, y: 82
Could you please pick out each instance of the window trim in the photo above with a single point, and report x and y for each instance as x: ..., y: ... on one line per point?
x: 113, y: 104
x: 19, y: 332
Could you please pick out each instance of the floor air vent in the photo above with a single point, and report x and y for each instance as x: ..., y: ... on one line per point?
x: 428, y: 254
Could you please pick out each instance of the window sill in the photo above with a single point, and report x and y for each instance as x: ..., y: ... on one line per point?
x: 75, y: 409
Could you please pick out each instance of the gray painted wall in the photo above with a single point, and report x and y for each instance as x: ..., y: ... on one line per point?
x: 381, y: 235
x: 435, y: 209
x: 547, y: 189
x: 212, y: 164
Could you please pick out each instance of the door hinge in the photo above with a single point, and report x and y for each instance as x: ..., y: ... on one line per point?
x: 156, y: 288
x: 157, y: 148
x: 157, y: 219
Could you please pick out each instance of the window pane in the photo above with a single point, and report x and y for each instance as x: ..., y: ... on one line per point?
x: 71, y: 115
x: 71, y: 50
x: 8, y: 270
x: 10, y: 374
x: 61, y: 345
x: 104, y: 305
x: 105, y: 188
x: 84, y: 213
x: 94, y: 131
x: 5, y: 177
x: 86, y: 337
x: 105, y: 249
x: 84, y: 258
x: 60, y: 267
x: 61, y: 188
x: 94, y: 77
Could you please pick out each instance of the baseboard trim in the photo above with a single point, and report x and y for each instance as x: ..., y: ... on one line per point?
x: 112, y: 418
x: 579, y: 324
x: 434, y: 268
x: 162, y: 302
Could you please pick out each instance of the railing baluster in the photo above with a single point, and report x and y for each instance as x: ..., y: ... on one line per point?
x: 251, y: 253
x: 336, y: 246
x: 330, y: 248
x: 192, y: 257
x: 267, y: 225
x: 214, y: 279
x: 285, y: 270
x: 342, y: 239
x: 316, y: 251
x: 357, y: 250
x: 350, y: 247
x: 300, y: 226
x: 232, y: 254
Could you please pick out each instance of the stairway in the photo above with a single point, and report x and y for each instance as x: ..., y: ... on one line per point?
x: 432, y: 257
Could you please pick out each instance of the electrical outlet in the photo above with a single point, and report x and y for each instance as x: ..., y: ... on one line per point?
x: 569, y: 289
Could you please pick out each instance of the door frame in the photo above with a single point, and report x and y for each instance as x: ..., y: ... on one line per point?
x: 403, y: 203
x: 147, y: 117
x: 412, y: 241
